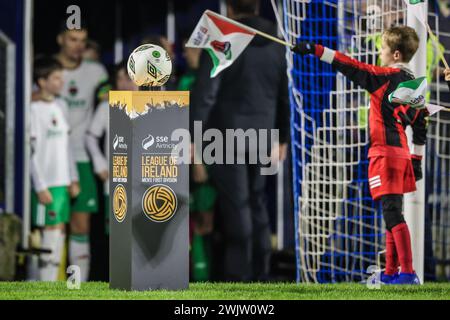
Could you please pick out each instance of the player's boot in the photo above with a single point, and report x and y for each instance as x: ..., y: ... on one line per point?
x: 387, y: 279
x: 379, y: 278
x: 406, y: 278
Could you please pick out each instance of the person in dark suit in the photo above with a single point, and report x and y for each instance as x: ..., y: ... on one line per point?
x: 250, y: 94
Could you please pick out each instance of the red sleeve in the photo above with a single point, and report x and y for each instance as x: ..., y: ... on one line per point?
x: 368, y: 76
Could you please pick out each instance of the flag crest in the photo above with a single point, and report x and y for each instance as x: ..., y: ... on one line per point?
x: 224, y: 40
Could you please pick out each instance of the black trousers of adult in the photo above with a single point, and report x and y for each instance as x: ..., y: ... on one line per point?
x: 244, y: 221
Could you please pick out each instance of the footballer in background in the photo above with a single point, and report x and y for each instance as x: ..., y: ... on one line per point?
x: 81, y: 79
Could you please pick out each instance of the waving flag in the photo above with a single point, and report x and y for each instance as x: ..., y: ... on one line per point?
x: 432, y: 108
x: 410, y: 92
x: 413, y: 93
x: 223, y: 38
x: 419, y: 9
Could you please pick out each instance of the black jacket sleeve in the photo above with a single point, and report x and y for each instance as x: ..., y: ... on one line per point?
x: 204, y: 92
x: 419, y: 125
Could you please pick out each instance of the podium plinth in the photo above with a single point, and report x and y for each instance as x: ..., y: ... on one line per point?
x: 149, y: 188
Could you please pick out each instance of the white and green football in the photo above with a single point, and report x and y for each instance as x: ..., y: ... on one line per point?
x: 149, y: 65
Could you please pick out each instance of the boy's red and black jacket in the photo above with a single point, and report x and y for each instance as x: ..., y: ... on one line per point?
x: 387, y: 121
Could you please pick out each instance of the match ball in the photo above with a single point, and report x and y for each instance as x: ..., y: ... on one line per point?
x: 149, y: 65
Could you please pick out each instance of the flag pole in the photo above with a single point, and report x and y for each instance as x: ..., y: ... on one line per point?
x: 250, y: 29
x: 436, y: 41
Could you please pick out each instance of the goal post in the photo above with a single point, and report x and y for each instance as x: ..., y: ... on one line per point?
x: 7, y: 117
x: 414, y: 203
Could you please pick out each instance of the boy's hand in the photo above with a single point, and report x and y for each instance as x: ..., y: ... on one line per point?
x: 279, y: 152
x: 103, y: 175
x: 304, y: 48
x: 447, y: 74
x: 45, y: 197
x: 74, y: 189
x: 417, y: 166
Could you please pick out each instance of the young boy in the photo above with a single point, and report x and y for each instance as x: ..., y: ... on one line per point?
x: 392, y: 169
x: 53, y: 170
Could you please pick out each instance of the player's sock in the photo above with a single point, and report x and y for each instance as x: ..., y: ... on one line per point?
x: 48, y: 269
x: 60, y: 250
x: 403, y: 245
x: 79, y: 254
x: 391, y: 255
x: 200, y: 270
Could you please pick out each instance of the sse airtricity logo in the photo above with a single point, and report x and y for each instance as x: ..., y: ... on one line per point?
x: 119, y: 143
x: 148, y: 142
x: 115, y: 142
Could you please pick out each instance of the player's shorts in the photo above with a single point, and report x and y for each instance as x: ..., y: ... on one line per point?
x: 54, y: 213
x: 390, y: 176
x: 87, y: 200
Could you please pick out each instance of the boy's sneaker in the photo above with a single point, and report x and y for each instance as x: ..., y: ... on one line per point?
x: 380, y: 278
x: 387, y: 279
x: 406, y: 278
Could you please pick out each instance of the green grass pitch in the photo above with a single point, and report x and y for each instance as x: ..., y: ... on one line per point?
x: 226, y: 291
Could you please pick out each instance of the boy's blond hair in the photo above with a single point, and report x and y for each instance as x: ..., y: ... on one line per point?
x: 404, y: 39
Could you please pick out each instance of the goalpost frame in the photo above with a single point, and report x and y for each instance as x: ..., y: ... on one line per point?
x: 414, y: 203
x: 27, y: 88
x: 9, y: 117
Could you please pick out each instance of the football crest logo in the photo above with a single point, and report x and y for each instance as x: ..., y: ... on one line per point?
x: 120, y: 203
x: 73, y: 89
x: 159, y: 203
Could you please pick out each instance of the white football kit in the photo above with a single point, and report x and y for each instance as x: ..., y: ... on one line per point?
x: 52, y: 161
x: 79, y: 92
